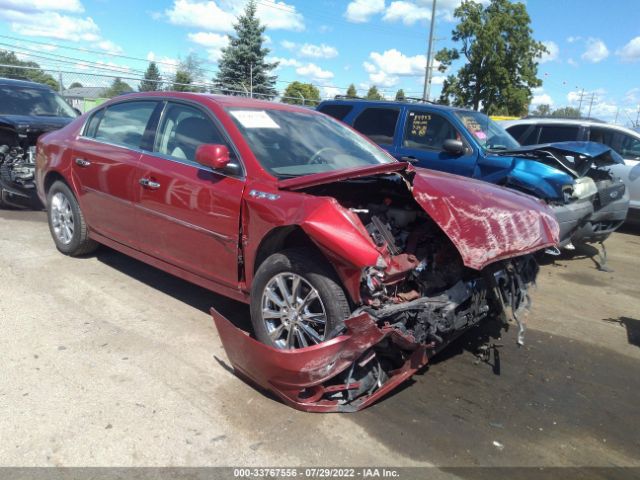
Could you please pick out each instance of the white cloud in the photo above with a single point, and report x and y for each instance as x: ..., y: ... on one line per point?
x: 41, y: 18
x: 542, y: 99
x: 219, y: 16
x: 285, y: 62
x: 552, y: 54
x: 359, y: 11
x: 631, y: 51
x: 406, y: 12
x: 310, y: 50
x: 35, y: 6
x: 329, y: 91
x: 385, y: 69
x: 572, y: 62
x: 214, y: 43
x: 596, y: 51
x: 314, y: 72
x: 573, y: 39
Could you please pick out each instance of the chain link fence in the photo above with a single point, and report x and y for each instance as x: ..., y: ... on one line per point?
x: 86, y: 90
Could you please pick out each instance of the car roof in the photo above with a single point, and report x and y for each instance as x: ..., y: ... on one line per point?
x: 224, y: 101
x: 389, y: 103
x: 567, y: 121
x: 23, y: 83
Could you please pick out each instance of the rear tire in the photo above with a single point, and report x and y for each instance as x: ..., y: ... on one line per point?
x: 296, y: 301
x: 66, y: 223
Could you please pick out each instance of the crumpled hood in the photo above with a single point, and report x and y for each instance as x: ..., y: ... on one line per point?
x: 29, y: 127
x: 576, y: 158
x: 485, y: 222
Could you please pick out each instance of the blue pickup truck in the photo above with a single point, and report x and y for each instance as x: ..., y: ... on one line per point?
x: 589, y: 202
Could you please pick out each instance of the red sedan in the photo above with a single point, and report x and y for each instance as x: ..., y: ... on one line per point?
x: 358, y: 268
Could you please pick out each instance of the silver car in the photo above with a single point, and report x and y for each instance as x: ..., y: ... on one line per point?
x: 532, y: 131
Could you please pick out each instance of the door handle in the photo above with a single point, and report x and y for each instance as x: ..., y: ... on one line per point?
x: 82, y: 162
x: 145, y: 182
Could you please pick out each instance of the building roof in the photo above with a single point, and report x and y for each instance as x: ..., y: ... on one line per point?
x: 84, y: 92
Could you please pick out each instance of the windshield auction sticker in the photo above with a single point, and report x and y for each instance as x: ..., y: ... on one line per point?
x: 254, y: 119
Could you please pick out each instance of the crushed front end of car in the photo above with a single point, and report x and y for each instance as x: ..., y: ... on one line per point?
x: 442, y: 254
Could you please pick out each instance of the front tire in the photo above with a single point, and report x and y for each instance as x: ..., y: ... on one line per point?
x: 66, y: 222
x: 296, y: 301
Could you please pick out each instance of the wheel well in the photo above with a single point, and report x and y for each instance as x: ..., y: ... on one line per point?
x: 280, y: 239
x: 50, y: 179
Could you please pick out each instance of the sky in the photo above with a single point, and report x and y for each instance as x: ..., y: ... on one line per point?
x: 594, y: 46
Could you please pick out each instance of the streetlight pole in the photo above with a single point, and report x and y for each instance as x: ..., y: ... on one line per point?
x: 427, y: 73
x: 251, y: 80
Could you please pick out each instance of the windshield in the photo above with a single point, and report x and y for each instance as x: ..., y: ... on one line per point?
x: 289, y: 144
x: 37, y: 102
x: 486, y: 132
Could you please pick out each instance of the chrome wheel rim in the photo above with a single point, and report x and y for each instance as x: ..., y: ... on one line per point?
x: 293, y: 312
x: 62, y: 219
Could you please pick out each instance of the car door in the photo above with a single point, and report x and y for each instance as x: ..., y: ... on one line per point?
x: 105, y: 159
x: 628, y: 146
x: 188, y: 214
x: 423, y: 136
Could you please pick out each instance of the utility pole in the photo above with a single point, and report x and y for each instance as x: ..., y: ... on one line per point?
x: 429, y: 67
x: 251, y: 80
x: 593, y: 95
x: 580, y: 104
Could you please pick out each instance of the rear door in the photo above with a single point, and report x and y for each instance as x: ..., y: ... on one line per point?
x: 188, y: 214
x: 423, y: 136
x: 104, y: 164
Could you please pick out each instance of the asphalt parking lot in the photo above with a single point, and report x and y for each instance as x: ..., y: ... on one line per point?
x: 109, y: 362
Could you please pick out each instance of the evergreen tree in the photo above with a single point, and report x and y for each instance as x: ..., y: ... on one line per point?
x: 118, y: 87
x: 152, y: 78
x: 182, y: 82
x: 374, y: 94
x: 400, y: 96
x: 296, y: 89
x: 243, y: 65
x: 352, y: 92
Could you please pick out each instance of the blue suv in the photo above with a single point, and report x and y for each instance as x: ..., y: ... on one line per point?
x: 574, y: 178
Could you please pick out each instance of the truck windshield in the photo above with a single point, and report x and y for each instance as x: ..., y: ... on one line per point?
x: 486, y: 132
x: 37, y: 102
x: 290, y: 143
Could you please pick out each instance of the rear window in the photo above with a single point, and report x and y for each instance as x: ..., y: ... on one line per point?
x: 125, y: 123
x: 516, y: 131
x: 379, y: 124
x: 336, y: 111
x: 552, y: 133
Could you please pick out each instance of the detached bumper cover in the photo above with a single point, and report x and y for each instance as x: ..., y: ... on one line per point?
x: 302, y: 377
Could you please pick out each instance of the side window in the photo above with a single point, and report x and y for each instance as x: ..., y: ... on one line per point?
x: 518, y: 131
x: 183, y: 129
x: 602, y: 135
x: 125, y: 123
x: 557, y: 133
x: 630, y: 147
x: 427, y: 131
x: 379, y: 124
x: 92, y: 125
x: 336, y: 111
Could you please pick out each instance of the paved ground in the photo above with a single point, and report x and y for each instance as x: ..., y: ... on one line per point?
x: 106, y: 361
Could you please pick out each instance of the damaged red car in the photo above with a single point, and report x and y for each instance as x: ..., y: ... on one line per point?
x: 357, y: 268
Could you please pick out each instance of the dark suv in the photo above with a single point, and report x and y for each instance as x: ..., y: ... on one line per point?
x: 27, y: 110
x: 572, y: 177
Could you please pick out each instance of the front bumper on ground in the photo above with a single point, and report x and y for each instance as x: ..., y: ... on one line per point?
x: 571, y: 217
x: 302, y: 377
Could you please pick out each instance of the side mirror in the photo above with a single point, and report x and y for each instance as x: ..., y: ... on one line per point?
x: 454, y: 147
x: 214, y: 156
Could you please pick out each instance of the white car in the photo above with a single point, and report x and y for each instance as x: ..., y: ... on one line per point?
x: 532, y: 131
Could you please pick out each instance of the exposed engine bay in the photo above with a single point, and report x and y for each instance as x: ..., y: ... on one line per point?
x: 17, y: 168
x: 420, y: 290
